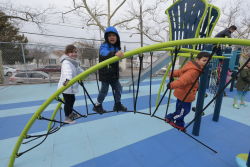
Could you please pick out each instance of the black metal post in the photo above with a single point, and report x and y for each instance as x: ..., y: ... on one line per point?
x: 248, y: 160
x: 223, y: 77
x: 200, y: 101
x: 236, y: 65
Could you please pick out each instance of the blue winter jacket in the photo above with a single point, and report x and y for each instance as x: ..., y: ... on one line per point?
x: 111, y: 72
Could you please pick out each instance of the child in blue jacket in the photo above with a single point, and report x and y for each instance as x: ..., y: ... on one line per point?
x: 109, y: 75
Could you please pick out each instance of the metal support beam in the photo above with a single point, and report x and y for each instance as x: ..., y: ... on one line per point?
x: 200, y: 101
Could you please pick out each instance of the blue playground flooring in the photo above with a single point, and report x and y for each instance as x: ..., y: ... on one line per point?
x: 120, y: 139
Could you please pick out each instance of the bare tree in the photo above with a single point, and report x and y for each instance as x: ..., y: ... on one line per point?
x: 87, y: 51
x: 38, y: 53
x: 96, y: 13
x: 24, y: 13
x: 104, y: 14
x: 155, y: 26
x: 234, y: 13
x: 14, y: 14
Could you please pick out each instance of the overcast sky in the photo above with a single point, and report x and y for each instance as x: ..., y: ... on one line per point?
x: 76, y: 31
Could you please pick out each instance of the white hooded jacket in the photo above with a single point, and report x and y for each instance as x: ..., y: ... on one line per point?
x: 70, y: 68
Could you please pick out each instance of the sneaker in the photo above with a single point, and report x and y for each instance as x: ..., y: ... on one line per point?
x: 243, y: 104
x: 74, y: 116
x: 171, y: 122
x: 236, y: 106
x: 181, y: 128
x: 119, y: 107
x: 68, y: 120
x: 206, y: 95
x: 99, y: 109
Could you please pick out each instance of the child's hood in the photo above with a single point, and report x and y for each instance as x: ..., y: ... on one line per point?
x: 191, y: 65
x: 109, y: 30
x: 65, y: 57
x: 112, y: 30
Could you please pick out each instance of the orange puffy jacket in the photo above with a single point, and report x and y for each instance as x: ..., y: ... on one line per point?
x: 186, y: 77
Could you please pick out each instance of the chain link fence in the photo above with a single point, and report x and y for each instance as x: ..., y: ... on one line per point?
x: 38, y: 63
x: 27, y: 63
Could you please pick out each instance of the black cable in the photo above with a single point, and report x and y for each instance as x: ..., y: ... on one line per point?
x: 165, y: 90
x: 219, y: 92
x: 51, y: 120
x: 97, y: 83
x: 60, y: 116
x: 171, y: 77
x: 35, y: 137
x: 70, y: 37
x: 21, y: 153
x: 60, y: 100
x: 86, y: 103
x: 159, y: 102
x: 200, y: 142
x: 133, y: 82
x: 150, y: 88
x: 138, y: 82
x: 85, y: 90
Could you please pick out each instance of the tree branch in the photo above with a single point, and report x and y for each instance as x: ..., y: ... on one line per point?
x: 124, y: 21
x: 119, y: 6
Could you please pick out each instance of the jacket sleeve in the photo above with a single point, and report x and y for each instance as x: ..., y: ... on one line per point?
x: 177, y: 73
x: 104, y: 50
x: 245, y: 75
x: 187, y: 78
x: 228, y: 34
x: 67, y: 72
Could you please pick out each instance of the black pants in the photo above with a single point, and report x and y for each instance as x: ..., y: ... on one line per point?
x: 69, y: 103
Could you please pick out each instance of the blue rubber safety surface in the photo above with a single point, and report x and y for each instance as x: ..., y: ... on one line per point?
x: 120, y: 139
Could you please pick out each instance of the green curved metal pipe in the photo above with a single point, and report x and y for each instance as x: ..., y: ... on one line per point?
x: 161, y: 88
x: 84, y: 74
x: 54, y: 115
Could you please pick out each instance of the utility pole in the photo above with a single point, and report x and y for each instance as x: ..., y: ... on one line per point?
x: 1, y: 69
x: 108, y: 13
x: 141, y: 24
x: 141, y: 31
x: 100, y: 31
x: 24, y: 61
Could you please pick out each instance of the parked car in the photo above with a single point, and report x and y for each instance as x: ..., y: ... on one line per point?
x: 30, y: 77
x: 49, y: 68
x: 8, y: 71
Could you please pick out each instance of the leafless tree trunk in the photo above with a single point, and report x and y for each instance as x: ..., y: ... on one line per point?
x: 1, y: 69
x: 235, y: 14
x: 155, y: 27
x: 96, y: 14
x: 27, y: 14
x: 39, y: 54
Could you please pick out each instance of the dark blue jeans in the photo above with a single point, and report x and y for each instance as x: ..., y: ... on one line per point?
x: 182, y: 109
x: 116, y: 87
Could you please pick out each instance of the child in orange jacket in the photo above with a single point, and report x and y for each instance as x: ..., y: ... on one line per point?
x: 186, y: 78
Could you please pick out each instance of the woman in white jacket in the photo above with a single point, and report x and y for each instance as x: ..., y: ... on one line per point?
x: 70, y: 68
